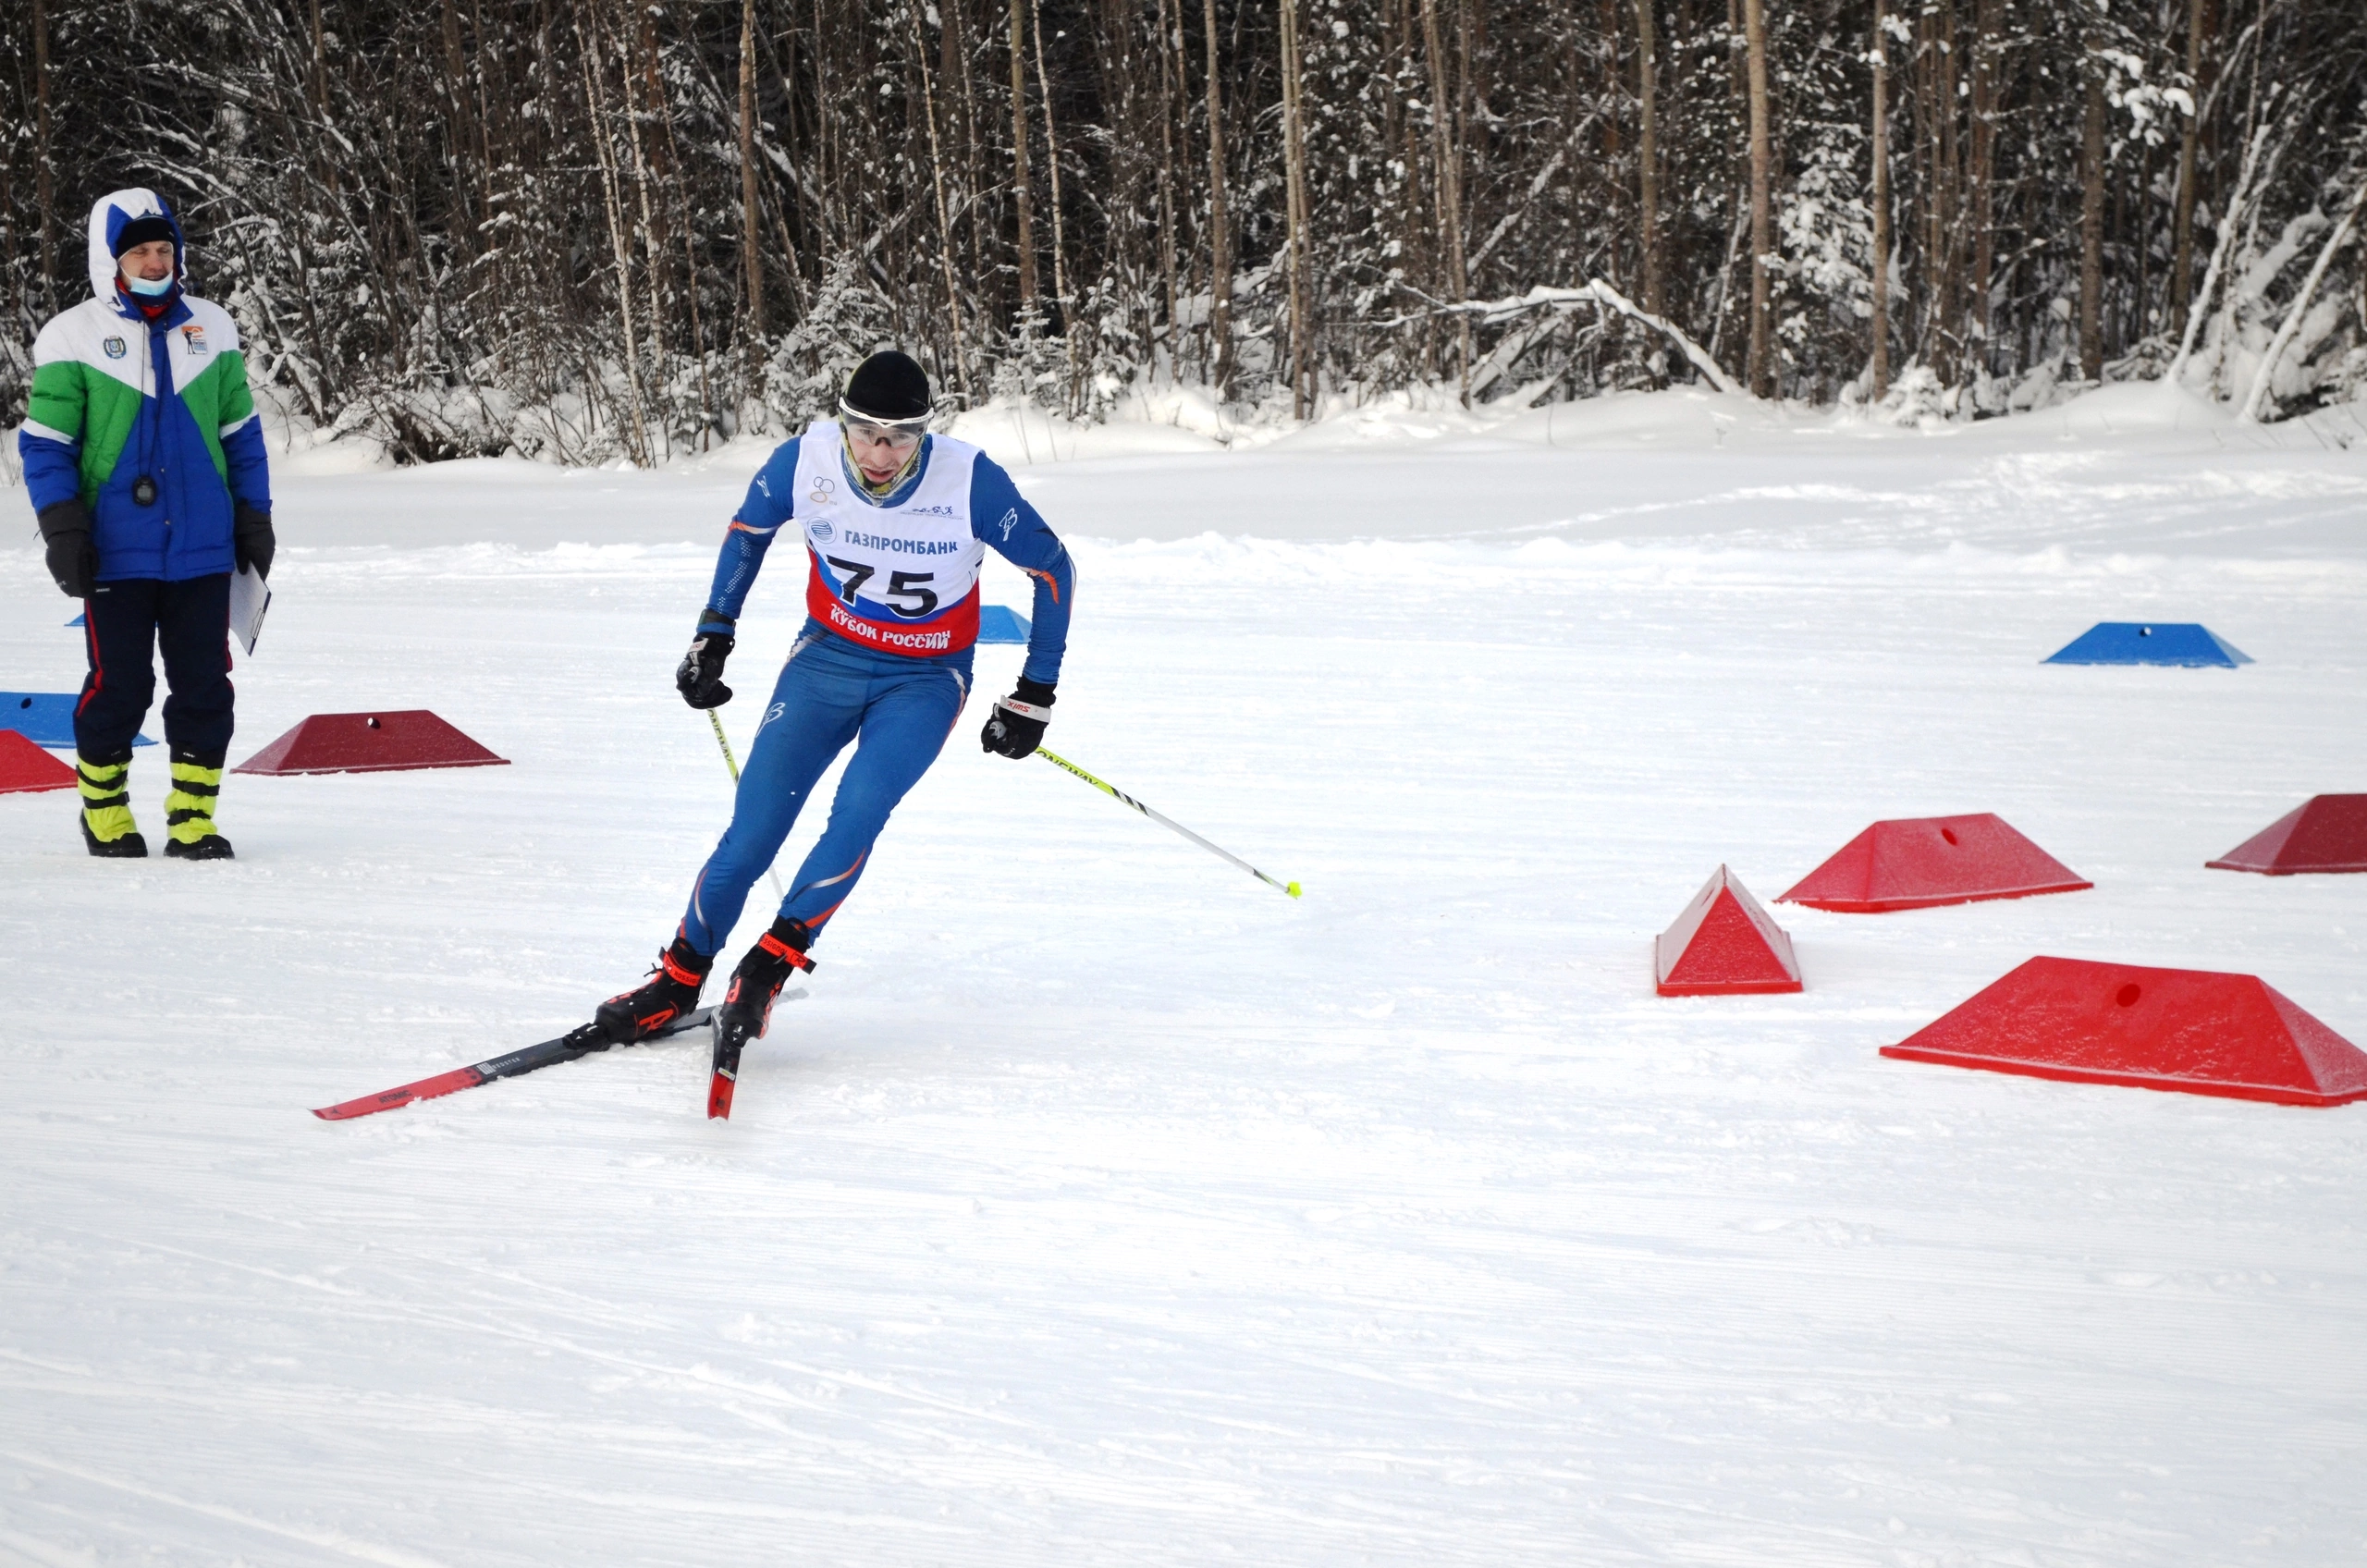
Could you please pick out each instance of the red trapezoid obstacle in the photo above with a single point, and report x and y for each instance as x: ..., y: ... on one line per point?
x: 370, y: 742
x: 1920, y: 861
x: 25, y: 767
x: 2327, y: 833
x: 2189, y: 1030
x: 1724, y: 945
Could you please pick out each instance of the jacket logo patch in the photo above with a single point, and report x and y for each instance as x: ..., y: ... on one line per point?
x: 115, y: 349
x: 195, y: 337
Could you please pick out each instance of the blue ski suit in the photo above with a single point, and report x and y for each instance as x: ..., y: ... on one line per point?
x: 889, y: 671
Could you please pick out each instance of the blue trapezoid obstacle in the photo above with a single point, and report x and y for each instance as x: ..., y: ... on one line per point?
x: 46, y: 718
x: 2152, y: 642
x: 1000, y: 623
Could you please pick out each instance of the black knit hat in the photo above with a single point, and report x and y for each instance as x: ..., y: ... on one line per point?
x: 138, y: 231
x: 888, y: 387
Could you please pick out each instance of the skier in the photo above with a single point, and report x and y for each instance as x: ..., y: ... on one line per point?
x: 146, y: 468
x: 896, y: 524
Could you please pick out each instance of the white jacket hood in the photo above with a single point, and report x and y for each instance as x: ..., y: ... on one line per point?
x: 109, y: 215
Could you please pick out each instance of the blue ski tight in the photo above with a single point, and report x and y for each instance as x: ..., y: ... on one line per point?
x: 898, y: 710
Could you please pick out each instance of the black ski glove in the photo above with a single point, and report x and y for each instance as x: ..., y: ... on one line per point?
x: 73, y: 559
x: 251, y: 539
x: 699, y: 675
x: 1015, y: 728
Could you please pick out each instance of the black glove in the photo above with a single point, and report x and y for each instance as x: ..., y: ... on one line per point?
x: 251, y: 539
x: 1015, y: 728
x: 699, y: 675
x: 73, y: 559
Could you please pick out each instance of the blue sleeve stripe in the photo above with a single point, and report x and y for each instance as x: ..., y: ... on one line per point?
x: 760, y: 517
x: 1001, y: 517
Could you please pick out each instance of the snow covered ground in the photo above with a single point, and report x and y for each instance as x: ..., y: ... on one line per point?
x: 1101, y: 1206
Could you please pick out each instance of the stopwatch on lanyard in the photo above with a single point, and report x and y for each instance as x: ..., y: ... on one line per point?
x: 143, y: 489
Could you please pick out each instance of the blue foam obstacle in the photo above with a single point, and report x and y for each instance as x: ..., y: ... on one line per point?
x: 46, y: 718
x: 2129, y: 642
x: 1000, y: 623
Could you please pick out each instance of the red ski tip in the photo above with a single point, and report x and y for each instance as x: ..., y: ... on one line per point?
x: 719, y: 1097
x: 426, y: 1089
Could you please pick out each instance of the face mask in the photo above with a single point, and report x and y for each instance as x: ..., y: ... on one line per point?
x: 149, y: 288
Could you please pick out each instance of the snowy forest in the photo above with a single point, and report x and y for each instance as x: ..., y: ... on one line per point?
x: 586, y: 229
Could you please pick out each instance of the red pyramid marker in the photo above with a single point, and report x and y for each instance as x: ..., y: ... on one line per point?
x: 25, y: 767
x: 1724, y: 945
x: 1921, y: 862
x: 2327, y: 833
x: 2189, y: 1030
x: 370, y: 742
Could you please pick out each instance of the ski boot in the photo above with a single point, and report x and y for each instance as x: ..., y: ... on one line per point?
x: 105, y: 787
x: 671, y: 990
x: 748, y: 1007
x: 189, y: 809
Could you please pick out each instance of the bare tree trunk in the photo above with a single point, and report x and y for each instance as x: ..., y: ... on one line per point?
x: 1981, y: 179
x: 1060, y: 233
x: 1219, y: 240
x: 944, y: 221
x: 1648, y: 152
x: 1167, y: 183
x: 653, y: 250
x: 2230, y: 223
x: 1948, y: 206
x: 958, y: 51
x: 1020, y: 193
x: 619, y: 245
x: 320, y: 92
x: 1760, y: 373
x: 2265, y: 378
x: 1882, y: 205
x: 45, y: 194
x: 1450, y: 188
x: 751, y: 258
x: 457, y: 137
x: 1295, y: 174
x: 680, y: 190
x: 2091, y: 217
x: 2182, y: 266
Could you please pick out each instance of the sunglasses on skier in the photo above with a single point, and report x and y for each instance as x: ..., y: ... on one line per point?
x: 897, y: 436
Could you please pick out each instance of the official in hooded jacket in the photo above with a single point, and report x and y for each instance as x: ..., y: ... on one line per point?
x: 147, y: 469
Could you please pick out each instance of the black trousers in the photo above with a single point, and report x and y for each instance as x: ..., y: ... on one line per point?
x: 126, y: 622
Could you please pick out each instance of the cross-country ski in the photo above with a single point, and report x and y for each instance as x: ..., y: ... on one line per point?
x: 576, y: 1043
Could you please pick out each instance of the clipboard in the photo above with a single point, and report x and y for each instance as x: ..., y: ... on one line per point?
x: 250, y: 597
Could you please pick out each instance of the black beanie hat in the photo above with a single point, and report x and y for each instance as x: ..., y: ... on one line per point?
x: 889, y: 387
x: 138, y: 231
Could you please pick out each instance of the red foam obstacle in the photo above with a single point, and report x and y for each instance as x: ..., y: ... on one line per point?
x: 370, y: 742
x: 2329, y: 833
x: 1724, y: 945
x: 2189, y: 1030
x: 25, y: 767
x: 1920, y: 861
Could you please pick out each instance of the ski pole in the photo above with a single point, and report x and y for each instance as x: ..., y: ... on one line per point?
x: 733, y: 764
x: 1124, y: 799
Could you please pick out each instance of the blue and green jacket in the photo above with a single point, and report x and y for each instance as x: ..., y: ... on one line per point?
x: 117, y: 396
